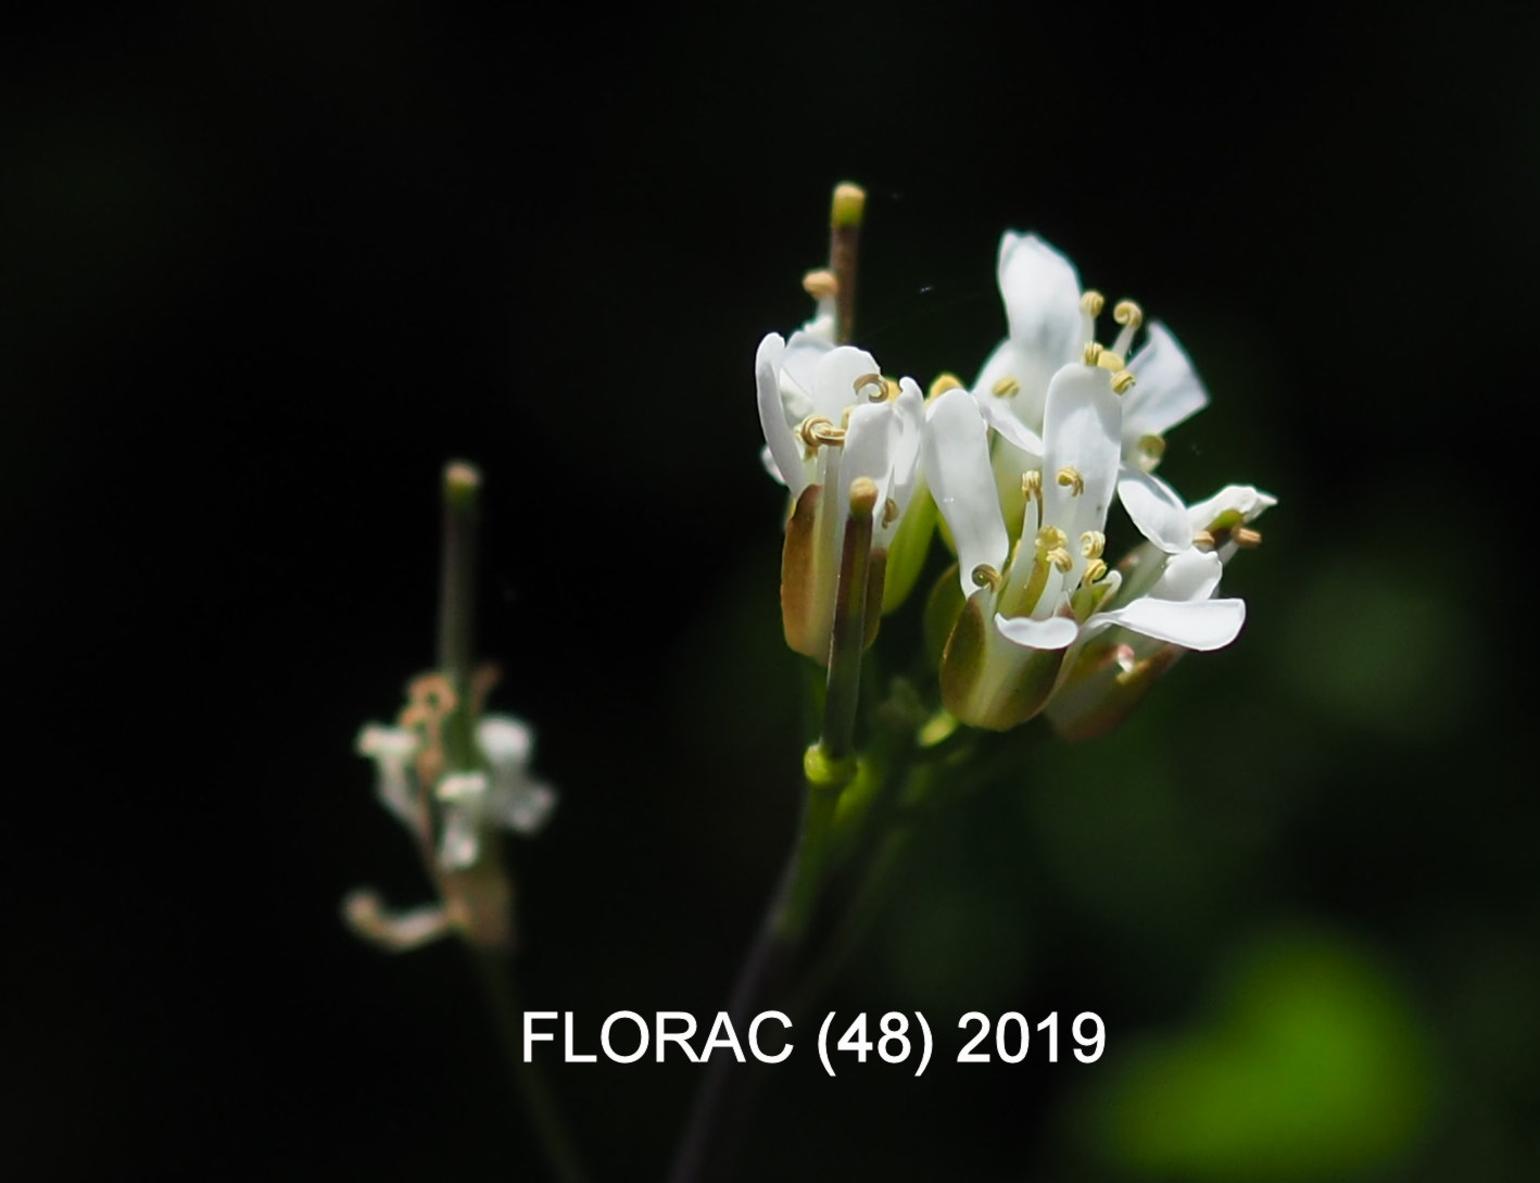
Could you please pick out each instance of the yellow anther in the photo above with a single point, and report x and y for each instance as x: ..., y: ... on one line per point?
x: 1006, y: 387
x: 1032, y: 483
x: 821, y: 284
x: 891, y: 389
x: 944, y: 383
x: 863, y: 495
x: 1109, y: 360
x: 1126, y: 312
x: 1122, y: 380
x: 986, y: 576
x: 889, y: 512
x: 1246, y: 538
x: 1092, y: 543
x: 1051, y: 538
x: 1096, y: 569
x: 879, y: 390
x: 1091, y: 354
x: 1069, y: 477
x: 1092, y: 303
x: 817, y: 432
x: 1152, y: 446
x: 1061, y: 559
x: 1203, y: 540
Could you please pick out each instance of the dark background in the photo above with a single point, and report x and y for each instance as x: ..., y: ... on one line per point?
x: 263, y: 268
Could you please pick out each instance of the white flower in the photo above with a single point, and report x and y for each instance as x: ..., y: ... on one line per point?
x: 829, y: 419
x: 472, y: 802
x: 393, y: 749
x: 469, y: 803
x: 1050, y: 323
x: 1026, y: 605
x: 1115, y: 665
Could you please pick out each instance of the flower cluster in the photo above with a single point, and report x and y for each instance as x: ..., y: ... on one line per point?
x: 454, y: 814
x: 1024, y: 468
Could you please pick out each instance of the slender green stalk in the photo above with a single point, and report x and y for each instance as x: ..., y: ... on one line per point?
x: 457, y: 609
x: 829, y: 766
x: 456, y: 662
x: 845, y: 215
x: 498, y: 986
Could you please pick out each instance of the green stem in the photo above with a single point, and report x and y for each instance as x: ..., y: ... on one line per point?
x: 497, y: 984
x: 829, y: 766
x: 456, y: 662
x: 457, y: 609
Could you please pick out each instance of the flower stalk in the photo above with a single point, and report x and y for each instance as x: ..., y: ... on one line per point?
x: 457, y: 610
x: 845, y: 215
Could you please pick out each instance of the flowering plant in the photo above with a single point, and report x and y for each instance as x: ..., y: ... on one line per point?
x: 1030, y: 612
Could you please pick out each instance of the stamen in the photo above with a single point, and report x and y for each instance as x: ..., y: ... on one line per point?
x: 820, y: 284
x: 1061, y: 559
x: 1091, y: 305
x: 1051, y: 538
x: 1108, y: 360
x: 1130, y: 316
x: 817, y: 432
x: 1006, y: 387
x: 1069, y: 477
x: 1092, y: 353
x: 1246, y: 538
x: 874, y: 380
x: 1032, y: 483
x: 863, y: 495
x: 1203, y: 540
x: 1122, y: 380
x: 1095, y: 570
x: 943, y: 383
x: 890, y: 390
x: 1152, y: 448
x: 889, y: 512
x: 986, y: 576
x: 1092, y: 543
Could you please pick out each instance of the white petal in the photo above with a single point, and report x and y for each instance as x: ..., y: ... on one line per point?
x: 962, y: 483
x: 1156, y: 509
x: 396, y: 791
x: 1245, y: 500
x: 1167, y: 389
x: 867, y: 453
x: 908, y: 434
x: 462, y: 787
x: 1191, y: 575
x: 1000, y: 414
x: 834, y: 380
x: 1031, y: 373
x: 529, y: 808
x: 771, y: 466
x: 507, y: 742
x: 779, y: 437
x: 799, y: 369
x: 821, y: 326
x: 1195, y: 624
x: 1082, y: 425
x: 459, y: 843
x: 1056, y: 632
x: 1042, y: 298
x: 392, y: 749
x: 382, y: 743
